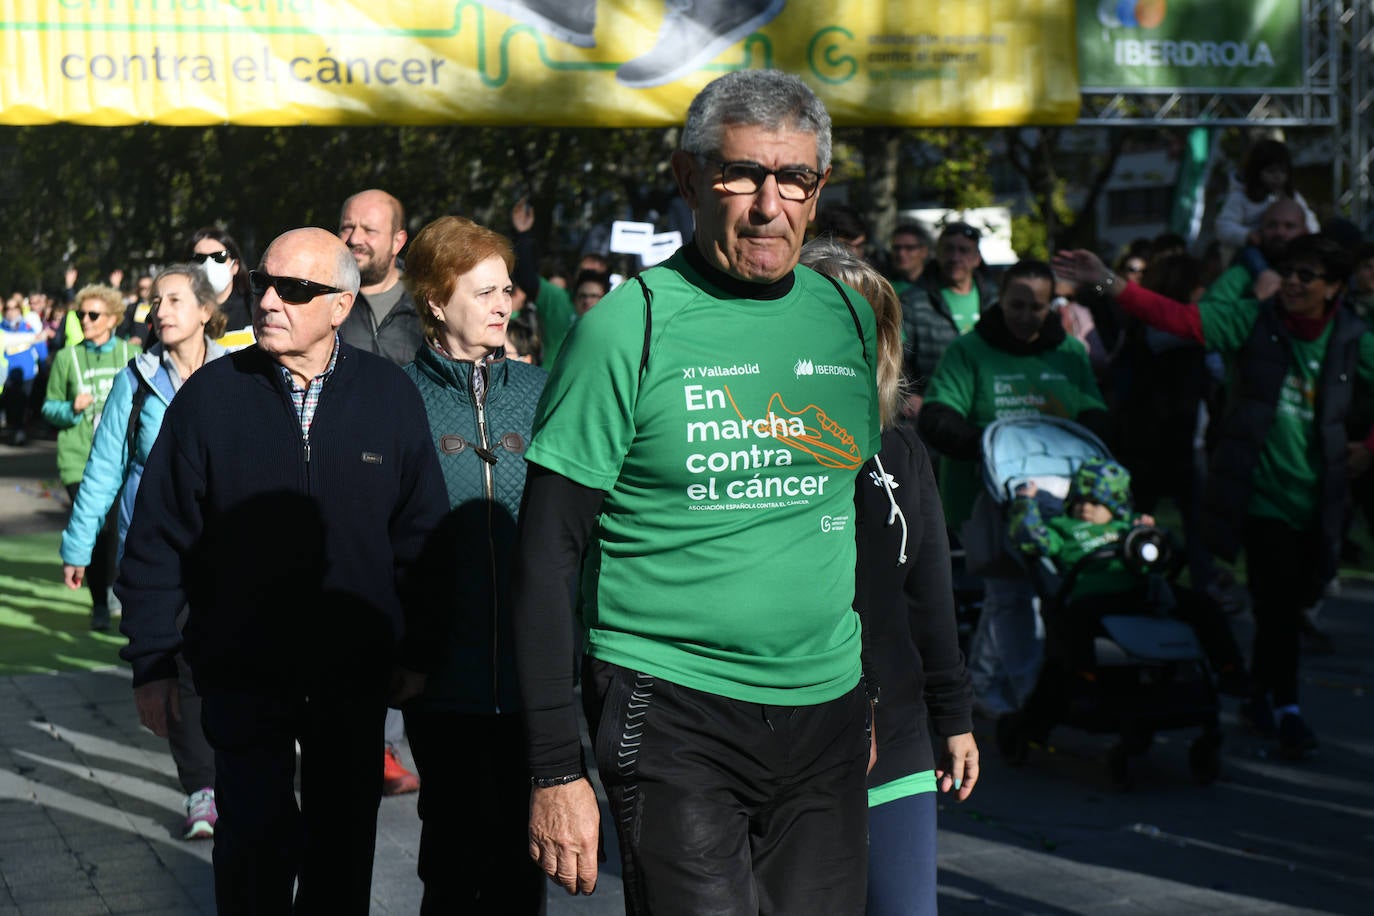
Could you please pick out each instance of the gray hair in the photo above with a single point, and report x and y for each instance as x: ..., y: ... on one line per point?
x: 347, y: 271
x: 769, y: 99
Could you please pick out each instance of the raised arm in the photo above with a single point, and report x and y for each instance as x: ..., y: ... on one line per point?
x: 1169, y: 315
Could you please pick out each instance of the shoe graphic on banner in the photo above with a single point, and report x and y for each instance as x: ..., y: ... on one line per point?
x: 694, y: 32
x: 571, y: 21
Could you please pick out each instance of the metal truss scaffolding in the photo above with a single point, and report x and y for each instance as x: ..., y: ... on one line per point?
x: 1354, y: 155
x: 1338, y: 93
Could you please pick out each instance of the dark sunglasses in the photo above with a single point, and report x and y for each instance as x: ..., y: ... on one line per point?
x: 745, y: 177
x: 907, y: 247
x: 292, y: 290
x: 219, y: 257
x: 1304, y: 275
x: 90, y: 316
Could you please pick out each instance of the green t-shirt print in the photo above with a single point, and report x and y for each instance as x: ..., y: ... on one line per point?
x: 723, y: 557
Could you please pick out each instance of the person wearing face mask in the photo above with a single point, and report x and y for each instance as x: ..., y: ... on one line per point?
x: 1014, y: 363
x: 1301, y: 366
x: 216, y: 252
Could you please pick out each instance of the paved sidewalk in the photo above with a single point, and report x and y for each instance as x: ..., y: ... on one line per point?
x: 90, y: 809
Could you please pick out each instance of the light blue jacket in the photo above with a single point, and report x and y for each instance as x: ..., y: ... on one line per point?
x: 111, y: 468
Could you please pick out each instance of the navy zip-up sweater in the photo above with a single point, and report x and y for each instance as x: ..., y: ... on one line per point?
x: 294, y: 561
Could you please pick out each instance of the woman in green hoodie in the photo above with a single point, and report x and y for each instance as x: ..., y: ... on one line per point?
x: 81, y: 378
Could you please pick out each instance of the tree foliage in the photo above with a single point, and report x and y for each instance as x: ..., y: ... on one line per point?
x: 105, y: 198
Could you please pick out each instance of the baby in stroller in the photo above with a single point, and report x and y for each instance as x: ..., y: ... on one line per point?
x: 1117, y: 656
x: 1097, y: 579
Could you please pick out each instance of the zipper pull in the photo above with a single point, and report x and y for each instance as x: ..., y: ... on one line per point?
x: 307, y: 450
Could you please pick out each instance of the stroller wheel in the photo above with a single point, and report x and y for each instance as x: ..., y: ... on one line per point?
x: 1204, y: 760
x: 1119, y: 767
x: 1012, y: 740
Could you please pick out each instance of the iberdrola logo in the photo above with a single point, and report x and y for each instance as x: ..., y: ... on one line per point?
x: 1131, y: 14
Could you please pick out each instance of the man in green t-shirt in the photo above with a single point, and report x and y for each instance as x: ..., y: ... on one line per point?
x: 699, y: 437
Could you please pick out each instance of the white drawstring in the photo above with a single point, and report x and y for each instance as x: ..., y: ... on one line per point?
x: 895, y: 513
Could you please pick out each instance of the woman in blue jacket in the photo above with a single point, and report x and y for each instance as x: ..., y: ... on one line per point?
x: 187, y: 321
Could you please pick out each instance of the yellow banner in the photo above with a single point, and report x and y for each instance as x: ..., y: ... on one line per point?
x: 613, y: 63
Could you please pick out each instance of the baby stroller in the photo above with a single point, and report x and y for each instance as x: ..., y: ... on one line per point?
x: 1130, y: 670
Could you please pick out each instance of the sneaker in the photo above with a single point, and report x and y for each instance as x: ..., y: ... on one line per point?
x: 1258, y: 716
x: 571, y: 21
x: 396, y: 779
x: 693, y: 33
x: 201, y: 815
x: 100, y: 618
x: 20, y: 437
x: 1295, y: 738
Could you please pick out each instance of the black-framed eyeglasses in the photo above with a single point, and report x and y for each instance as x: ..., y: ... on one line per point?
x: 292, y: 290
x: 1304, y: 275
x: 795, y: 182
x: 219, y: 257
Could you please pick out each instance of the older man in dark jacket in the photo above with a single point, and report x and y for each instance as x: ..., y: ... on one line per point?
x: 290, y: 525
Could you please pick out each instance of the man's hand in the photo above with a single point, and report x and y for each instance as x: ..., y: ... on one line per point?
x: 83, y: 400
x: 522, y: 215
x: 69, y: 277
x: 155, y: 700
x: 564, y: 826
x: 1266, y: 284
x: 405, y: 685
x: 73, y: 575
x: 1357, y: 458
x: 958, y: 767
x: 116, y: 277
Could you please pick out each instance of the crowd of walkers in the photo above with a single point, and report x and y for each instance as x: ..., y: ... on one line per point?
x: 382, y: 488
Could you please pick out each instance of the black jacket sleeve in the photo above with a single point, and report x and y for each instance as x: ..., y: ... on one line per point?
x: 557, y: 518
x: 948, y: 431
x: 930, y: 605
x: 168, y: 520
